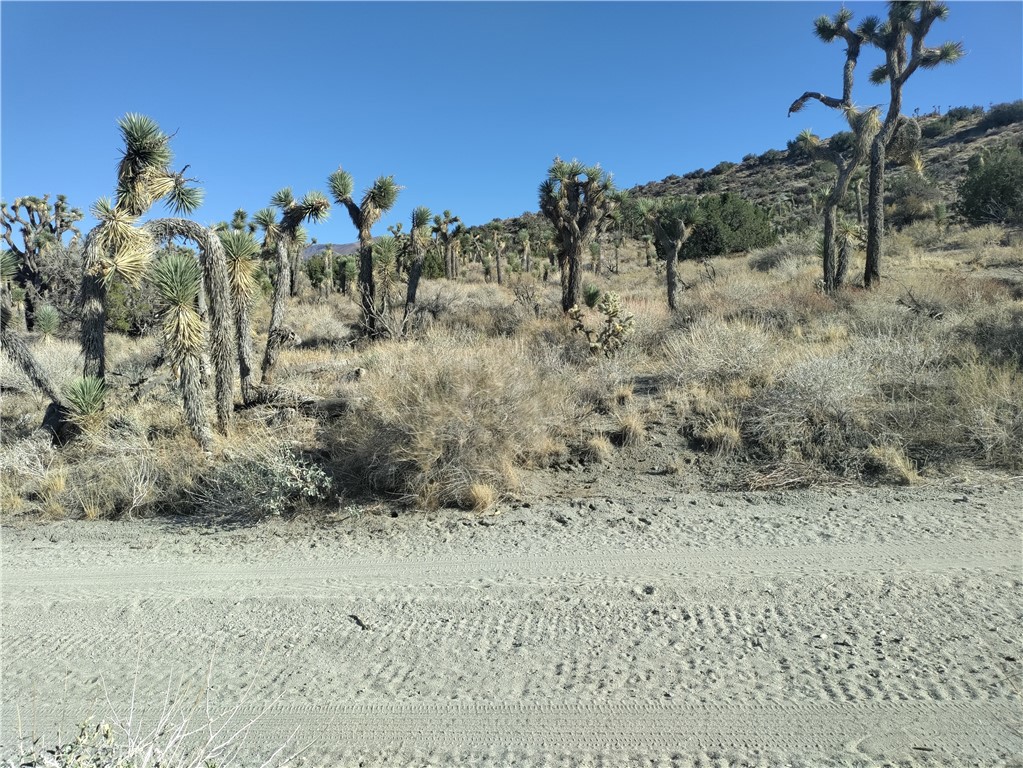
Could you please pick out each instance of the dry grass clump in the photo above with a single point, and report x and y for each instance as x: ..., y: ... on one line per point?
x: 630, y: 427
x: 715, y: 352
x: 438, y: 416
x: 598, y: 450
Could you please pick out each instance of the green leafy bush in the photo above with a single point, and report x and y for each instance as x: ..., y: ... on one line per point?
x: 911, y: 198
x: 728, y: 223
x: 1003, y: 114
x: 993, y: 188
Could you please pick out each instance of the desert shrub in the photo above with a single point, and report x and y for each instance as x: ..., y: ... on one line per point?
x: 811, y: 416
x: 909, y: 198
x: 591, y: 295
x: 714, y: 352
x: 843, y: 141
x: 993, y: 188
x: 268, y: 478
x: 771, y: 156
x: 723, y: 167
x: 791, y: 251
x: 439, y: 416
x: 1003, y: 114
x: 997, y: 335
x: 958, y: 114
x: 708, y: 185
x: 932, y: 129
x: 797, y: 151
x: 131, y: 311
x: 750, y: 159
x: 728, y: 223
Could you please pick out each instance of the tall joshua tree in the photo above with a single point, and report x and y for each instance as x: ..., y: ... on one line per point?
x: 40, y: 226
x: 865, y: 126
x: 418, y: 236
x: 672, y: 221
x: 376, y: 201
x: 447, y: 229
x: 240, y: 252
x: 116, y: 246
x: 215, y: 286
x: 282, y: 236
x: 177, y: 279
x: 575, y: 198
x: 901, y: 38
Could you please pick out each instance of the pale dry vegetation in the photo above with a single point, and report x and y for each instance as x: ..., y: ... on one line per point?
x: 781, y: 384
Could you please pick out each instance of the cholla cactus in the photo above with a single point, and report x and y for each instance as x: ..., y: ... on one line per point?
x: 616, y: 328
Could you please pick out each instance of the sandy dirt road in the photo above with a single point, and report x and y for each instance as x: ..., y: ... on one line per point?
x: 840, y: 627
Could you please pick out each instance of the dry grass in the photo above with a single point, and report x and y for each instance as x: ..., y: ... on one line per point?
x: 760, y: 369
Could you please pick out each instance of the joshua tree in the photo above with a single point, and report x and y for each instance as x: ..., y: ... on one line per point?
x: 282, y: 236
x: 448, y: 237
x: 215, y: 286
x: 178, y: 279
x: 575, y: 198
x: 864, y: 126
x: 527, y: 251
x: 376, y: 201
x: 115, y: 246
x: 672, y: 221
x: 418, y: 236
x: 240, y: 252
x: 40, y: 226
x: 901, y: 38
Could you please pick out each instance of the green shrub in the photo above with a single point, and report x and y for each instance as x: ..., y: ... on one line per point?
x: 1003, y: 114
x: 723, y: 167
x: 728, y: 223
x: 843, y: 141
x: 993, y: 188
x: 911, y: 198
x: 591, y: 295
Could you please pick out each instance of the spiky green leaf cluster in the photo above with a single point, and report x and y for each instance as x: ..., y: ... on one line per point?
x: 8, y: 265
x: 382, y: 195
x: 47, y: 319
x: 123, y: 249
x: 341, y: 185
x: 86, y: 396
x: 241, y: 251
x: 177, y: 279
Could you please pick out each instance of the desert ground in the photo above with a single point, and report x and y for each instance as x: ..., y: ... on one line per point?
x: 615, y: 618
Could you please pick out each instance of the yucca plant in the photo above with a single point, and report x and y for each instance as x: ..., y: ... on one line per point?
x: 177, y: 279
x: 376, y: 201
x: 419, y: 234
x: 281, y: 235
x: 85, y: 399
x: 116, y: 245
x: 241, y: 251
x: 47, y: 321
x: 576, y: 199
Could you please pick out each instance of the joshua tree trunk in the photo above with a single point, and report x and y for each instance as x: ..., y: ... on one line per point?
x: 275, y: 333
x: 830, y: 212
x: 671, y: 274
x: 843, y: 263
x: 497, y: 259
x: 367, y: 282
x: 194, y: 402
x: 294, y: 264
x: 875, y: 208
x: 243, y: 329
x: 570, y: 264
x: 94, y: 314
x: 217, y: 289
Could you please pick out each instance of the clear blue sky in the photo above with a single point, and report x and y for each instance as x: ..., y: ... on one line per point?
x: 465, y: 104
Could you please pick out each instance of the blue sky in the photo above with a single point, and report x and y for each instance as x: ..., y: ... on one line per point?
x: 464, y: 103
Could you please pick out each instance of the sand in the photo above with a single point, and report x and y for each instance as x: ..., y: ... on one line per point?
x: 603, y: 624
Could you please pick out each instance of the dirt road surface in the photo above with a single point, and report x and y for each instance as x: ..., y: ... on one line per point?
x: 846, y: 627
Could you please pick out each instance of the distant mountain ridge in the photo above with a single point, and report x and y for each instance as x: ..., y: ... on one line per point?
x: 345, y: 249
